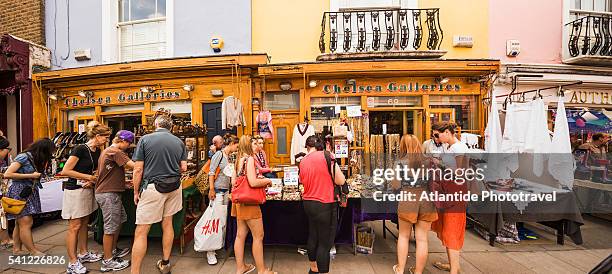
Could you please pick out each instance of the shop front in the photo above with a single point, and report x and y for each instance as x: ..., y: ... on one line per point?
x: 130, y: 96
x: 372, y: 98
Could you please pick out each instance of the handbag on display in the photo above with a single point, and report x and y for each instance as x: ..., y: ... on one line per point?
x: 243, y: 193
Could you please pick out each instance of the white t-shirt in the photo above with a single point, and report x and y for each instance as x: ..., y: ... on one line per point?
x: 457, y: 149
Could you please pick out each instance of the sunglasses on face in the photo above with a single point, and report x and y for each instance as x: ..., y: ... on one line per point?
x: 436, y: 135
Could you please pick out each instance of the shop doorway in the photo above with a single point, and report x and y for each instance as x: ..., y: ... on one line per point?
x: 279, y: 151
x: 397, y: 122
x: 129, y: 122
x: 211, y: 116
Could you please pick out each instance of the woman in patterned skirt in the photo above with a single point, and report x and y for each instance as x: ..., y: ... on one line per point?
x: 25, y: 173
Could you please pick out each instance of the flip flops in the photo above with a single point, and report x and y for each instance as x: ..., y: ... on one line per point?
x: 442, y: 266
x: 250, y: 268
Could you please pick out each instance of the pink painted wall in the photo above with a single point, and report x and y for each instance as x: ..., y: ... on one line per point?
x: 537, y: 24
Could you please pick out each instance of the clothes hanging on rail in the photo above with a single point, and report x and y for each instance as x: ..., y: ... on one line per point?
x: 232, y: 113
x: 561, y: 164
x: 470, y: 139
x: 301, y: 132
x: 493, y: 131
x: 538, y: 140
x: 264, y: 125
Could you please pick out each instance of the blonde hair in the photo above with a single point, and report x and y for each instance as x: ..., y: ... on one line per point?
x: 411, y: 150
x: 94, y: 128
x: 245, y: 147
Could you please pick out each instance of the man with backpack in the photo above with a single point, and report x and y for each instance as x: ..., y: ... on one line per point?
x: 160, y: 157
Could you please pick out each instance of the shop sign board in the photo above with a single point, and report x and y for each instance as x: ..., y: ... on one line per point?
x: 590, y: 97
x: 393, y: 101
x: 118, y: 98
x: 392, y: 86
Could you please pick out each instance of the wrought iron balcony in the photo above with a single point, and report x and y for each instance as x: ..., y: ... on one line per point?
x: 381, y: 30
x: 590, y: 40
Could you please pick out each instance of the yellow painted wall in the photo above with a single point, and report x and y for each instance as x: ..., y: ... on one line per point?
x: 463, y: 17
x: 287, y: 30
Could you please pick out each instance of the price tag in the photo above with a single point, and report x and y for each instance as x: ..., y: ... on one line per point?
x: 384, y: 129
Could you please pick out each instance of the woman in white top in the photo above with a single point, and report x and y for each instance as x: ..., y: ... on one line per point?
x: 450, y: 225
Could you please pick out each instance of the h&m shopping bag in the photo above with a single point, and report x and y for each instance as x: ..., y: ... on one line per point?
x: 209, y: 233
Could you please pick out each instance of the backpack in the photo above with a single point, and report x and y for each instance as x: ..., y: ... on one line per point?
x: 201, y: 180
x: 340, y: 192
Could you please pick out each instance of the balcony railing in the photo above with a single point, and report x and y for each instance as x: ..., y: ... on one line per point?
x: 590, y: 38
x: 380, y: 30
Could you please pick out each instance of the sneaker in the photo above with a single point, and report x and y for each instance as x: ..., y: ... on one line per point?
x: 211, y: 256
x: 164, y: 269
x: 114, y: 264
x: 121, y: 252
x: 76, y: 268
x: 89, y: 257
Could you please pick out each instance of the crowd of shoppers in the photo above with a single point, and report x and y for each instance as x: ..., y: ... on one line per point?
x: 97, y: 179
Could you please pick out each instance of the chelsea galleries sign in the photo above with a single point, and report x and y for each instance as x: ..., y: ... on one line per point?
x: 351, y: 86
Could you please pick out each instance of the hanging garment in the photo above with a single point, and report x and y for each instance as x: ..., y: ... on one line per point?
x: 493, y: 146
x: 232, y: 113
x: 514, y: 136
x: 301, y: 132
x: 470, y: 139
x: 538, y: 140
x: 264, y: 125
x: 561, y: 163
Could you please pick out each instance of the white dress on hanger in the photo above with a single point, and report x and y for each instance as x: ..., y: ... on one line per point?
x: 538, y: 140
x: 561, y: 164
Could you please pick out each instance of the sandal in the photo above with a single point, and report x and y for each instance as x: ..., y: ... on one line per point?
x: 442, y: 266
x: 395, y: 269
x: 250, y: 268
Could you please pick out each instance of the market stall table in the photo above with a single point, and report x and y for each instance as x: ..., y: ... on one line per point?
x: 562, y: 215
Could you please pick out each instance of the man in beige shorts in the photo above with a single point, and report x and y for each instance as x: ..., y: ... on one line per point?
x: 160, y: 157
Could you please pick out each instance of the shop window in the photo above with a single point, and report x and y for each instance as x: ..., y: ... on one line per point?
x: 142, y: 27
x: 465, y: 109
x: 281, y: 143
x: 592, y: 5
x: 325, y: 108
x: 282, y: 101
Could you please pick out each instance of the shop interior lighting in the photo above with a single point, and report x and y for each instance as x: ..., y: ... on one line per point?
x: 53, y: 95
x: 147, y: 89
x: 285, y: 86
x: 84, y: 93
x: 313, y: 83
x: 188, y: 87
x: 442, y: 80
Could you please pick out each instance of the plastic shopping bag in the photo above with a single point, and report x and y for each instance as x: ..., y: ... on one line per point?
x: 209, y: 233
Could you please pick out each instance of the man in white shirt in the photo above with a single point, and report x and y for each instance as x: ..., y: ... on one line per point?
x: 434, y: 145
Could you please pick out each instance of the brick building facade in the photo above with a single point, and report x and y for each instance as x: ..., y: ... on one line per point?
x: 24, y: 19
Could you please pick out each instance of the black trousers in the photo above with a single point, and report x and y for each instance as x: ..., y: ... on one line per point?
x: 322, y: 222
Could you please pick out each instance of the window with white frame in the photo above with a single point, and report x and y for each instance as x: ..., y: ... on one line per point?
x: 142, y: 29
x: 592, y: 5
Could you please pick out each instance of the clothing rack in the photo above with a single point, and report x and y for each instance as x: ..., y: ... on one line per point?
x: 522, y: 93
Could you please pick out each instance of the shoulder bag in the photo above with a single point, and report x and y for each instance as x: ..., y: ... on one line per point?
x: 243, y: 193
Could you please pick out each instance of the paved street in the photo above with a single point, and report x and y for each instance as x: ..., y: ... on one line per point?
x: 539, y: 256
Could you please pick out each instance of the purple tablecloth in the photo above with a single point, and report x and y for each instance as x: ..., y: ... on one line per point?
x: 285, y: 223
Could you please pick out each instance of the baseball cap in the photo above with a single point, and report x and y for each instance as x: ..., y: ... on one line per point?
x: 126, y: 135
x: 4, y: 143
